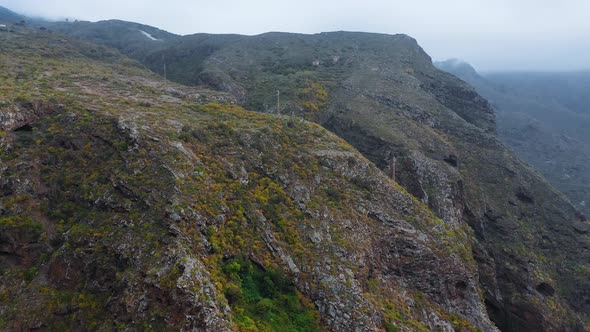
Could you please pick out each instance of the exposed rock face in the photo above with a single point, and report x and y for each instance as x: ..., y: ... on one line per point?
x: 166, y: 197
x: 120, y: 209
x: 20, y: 116
x: 387, y: 100
x: 505, y: 203
x: 543, y: 117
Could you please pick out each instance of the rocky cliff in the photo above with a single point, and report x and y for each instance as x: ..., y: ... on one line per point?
x: 130, y: 197
x: 544, y: 119
x: 383, y: 95
x: 130, y: 203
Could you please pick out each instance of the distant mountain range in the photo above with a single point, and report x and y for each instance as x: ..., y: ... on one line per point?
x: 544, y: 118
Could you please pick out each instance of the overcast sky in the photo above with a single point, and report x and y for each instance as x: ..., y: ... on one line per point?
x: 490, y: 34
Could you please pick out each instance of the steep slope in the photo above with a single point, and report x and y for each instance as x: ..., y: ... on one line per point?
x: 543, y: 117
x: 127, y: 202
x: 7, y: 16
x: 383, y: 95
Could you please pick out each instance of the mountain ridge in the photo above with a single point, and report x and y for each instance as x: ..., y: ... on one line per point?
x: 8, y: 16
x: 512, y: 240
x: 186, y: 209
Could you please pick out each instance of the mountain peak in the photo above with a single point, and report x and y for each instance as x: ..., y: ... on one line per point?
x: 458, y: 67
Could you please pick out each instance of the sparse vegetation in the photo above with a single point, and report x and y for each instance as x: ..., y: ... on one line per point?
x: 126, y: 181
x: 165, y: 207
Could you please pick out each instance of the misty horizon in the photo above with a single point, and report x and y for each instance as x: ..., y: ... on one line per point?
x: 490, y: 35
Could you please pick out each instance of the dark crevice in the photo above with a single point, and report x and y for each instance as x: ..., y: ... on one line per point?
x: 545, y: 289
x: 525, y: 198
x: 452, y: 160
x: 26, y: 127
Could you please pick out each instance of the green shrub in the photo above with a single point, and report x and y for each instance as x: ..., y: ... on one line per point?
x: 266, y: 300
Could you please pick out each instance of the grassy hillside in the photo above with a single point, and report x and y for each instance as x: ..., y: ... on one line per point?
x: 127, y: 202
x: 382, y: 95
x: 481, y: 235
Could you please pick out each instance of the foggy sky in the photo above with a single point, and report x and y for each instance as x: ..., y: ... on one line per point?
x: 490, y: 34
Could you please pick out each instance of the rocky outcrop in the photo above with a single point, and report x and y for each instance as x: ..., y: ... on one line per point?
x: 183, y: 216
x: 20, y: 115
x: 387, y: 100
x: 120, y: 209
